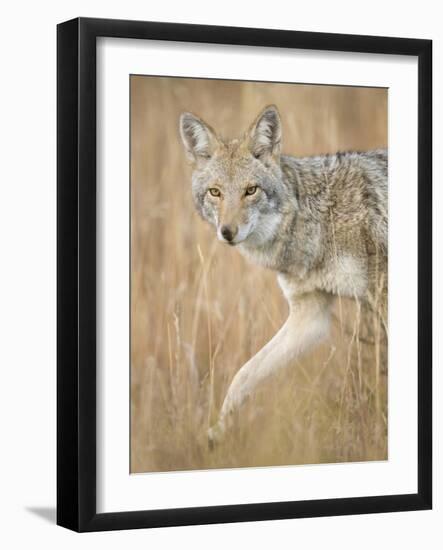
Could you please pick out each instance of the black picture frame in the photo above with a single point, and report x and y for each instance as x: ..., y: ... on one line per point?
x: 76, y: 273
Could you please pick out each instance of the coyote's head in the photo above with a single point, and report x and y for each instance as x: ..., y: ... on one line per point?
x: 237, y: 185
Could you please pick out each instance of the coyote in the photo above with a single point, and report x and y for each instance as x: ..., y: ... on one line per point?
x: 319, y: 222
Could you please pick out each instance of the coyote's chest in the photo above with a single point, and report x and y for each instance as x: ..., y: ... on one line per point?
x: 345, y: 275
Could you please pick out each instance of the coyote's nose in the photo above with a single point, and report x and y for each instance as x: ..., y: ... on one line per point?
x: 228, y: 232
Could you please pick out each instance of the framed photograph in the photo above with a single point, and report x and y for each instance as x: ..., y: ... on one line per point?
x: 244, y: 274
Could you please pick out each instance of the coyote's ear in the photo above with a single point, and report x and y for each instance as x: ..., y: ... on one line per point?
x: 198, y: 138
x: 265, y: 134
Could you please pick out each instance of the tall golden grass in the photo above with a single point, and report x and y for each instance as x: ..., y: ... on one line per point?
x: 199, y: 310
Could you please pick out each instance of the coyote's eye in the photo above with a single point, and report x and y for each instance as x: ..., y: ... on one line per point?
x: 251, y: 190
x: 214, y: 191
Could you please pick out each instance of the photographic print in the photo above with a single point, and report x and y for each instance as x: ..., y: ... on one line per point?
x: 225, y: 200
x: 259, y: 231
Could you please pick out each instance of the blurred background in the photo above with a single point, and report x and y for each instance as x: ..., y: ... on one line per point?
x: 199, y: 311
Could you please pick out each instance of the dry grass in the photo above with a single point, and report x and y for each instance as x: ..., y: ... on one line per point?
x: 199, y: 311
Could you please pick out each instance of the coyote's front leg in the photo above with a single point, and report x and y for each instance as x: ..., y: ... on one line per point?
x: 307, y: 323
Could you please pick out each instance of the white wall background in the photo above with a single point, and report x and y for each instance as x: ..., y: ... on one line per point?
x: 27, y: 274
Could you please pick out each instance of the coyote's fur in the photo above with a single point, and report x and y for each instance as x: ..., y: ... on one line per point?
x: 319, y: 222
